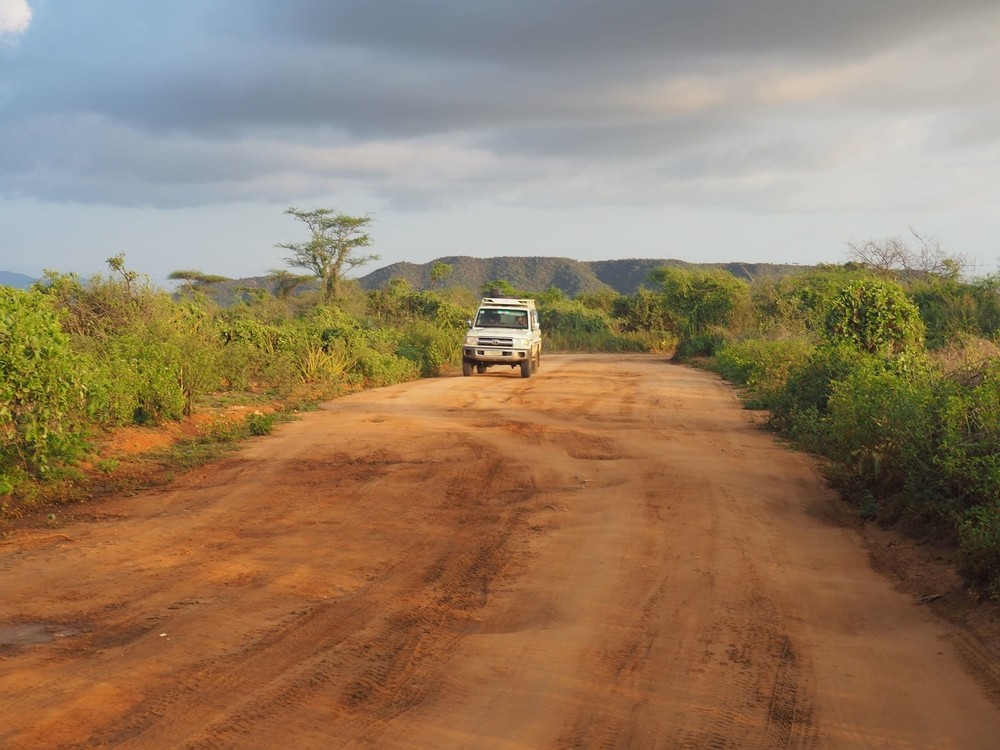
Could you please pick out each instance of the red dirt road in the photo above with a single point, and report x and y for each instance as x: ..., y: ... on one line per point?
x: 606, y: 555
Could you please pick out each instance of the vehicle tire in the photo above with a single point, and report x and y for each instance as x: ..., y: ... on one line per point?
x: 480, y: 368
x: 536, y: 362
x: 526, y: 369
x: 466, y: 367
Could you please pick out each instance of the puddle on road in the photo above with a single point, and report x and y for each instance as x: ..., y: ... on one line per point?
x: 32, y: 634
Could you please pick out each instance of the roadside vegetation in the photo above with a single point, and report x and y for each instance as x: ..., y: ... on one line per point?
x: 886, y: 366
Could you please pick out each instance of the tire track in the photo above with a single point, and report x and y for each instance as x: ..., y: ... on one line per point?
x: 366, y: 657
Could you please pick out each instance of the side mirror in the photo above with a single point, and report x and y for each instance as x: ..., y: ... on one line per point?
x: 468, y: 324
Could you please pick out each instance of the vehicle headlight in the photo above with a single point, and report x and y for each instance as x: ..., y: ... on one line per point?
x: 470, y: 340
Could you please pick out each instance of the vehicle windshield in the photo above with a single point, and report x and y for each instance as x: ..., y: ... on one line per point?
x: 499, y: 318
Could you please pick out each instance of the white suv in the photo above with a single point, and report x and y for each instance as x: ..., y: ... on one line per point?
x: 505, y: 332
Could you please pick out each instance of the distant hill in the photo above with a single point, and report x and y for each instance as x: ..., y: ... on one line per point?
x: 16, y: 280
x: 573, y: 277
x: 532, y: 274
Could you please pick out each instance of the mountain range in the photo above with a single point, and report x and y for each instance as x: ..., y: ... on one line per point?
x: 531, y: 273
x: 16, y: 280
x: 537, y: 273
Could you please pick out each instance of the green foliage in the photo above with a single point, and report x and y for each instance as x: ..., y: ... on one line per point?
x: 978, y: 558
x: 578, y: 325
x: 379, y: 363
x: 951, y: 308
x: 259, y: 423
x: 144, y: 357
x: 703, y: 344
x: 705, y: 308
x: 397, y: 304
x: 41, y: 391
x: 762, y: 365
x: 880, y: 431
x: 102, y: 306
x: 225, y: 430
x: 605, y: 302
x: 968, y: 456
x: 799, y: 408
x: 154, y: 370
x: 703, y: 301
x: 567, y: 316
x: 430, y: 347
x: 150, y: 368
x: 875, y: 316
x: 501, y: 288
x: 441, y: 271
x: 332, y: 249
x: 646, y: 311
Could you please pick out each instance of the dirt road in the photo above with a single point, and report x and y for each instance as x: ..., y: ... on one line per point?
x: 606, y: 555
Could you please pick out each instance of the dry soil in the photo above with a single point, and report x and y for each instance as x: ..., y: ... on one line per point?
x: 610, y: 554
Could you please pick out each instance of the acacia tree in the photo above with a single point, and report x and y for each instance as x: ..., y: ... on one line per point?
x: 285, y: 283
x: 332, y: 248
x: 194, y: 279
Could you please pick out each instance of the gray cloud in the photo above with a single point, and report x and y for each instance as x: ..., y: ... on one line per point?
x: 168, y: 104
x: 593, y: 33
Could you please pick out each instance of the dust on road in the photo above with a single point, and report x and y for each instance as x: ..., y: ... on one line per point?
x: 607, y: 555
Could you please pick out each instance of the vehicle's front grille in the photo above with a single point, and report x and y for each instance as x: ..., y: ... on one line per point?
x: 496, y: 342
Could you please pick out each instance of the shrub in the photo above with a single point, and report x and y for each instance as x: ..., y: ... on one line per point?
x: 103, y: 306
x: 762, y: 365
x: 881, y: 430
x: 431, y: 348
x: 967, y: 456
x: 568, y: 316
x: 704, y: 300
x: 259, y: 423
x: 874, y: 316
x: 41, y: 391
x: 978, y: 558
x: 809, y: 383
x: 645, y: 311
x: 571, y: 325
x: 704, y: 344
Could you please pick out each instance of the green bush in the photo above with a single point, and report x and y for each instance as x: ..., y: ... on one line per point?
x: 809, y: 383
x: 703, y: 301
x: 704, y: 344
x: 881, y: 430
x: 259, y: 423
x: 875, y: 316
x: 568, y: 316
x: 151, y: 366
x: 645, y: 312
x: 378, y: 368
x: 104, y: 306
x: 978, y: 558
x: 431, y: 348
x: 154, y: 372
x: 570, y: 325
x: 762, y: 365
x: 41, y: 391
x: 967, y: 457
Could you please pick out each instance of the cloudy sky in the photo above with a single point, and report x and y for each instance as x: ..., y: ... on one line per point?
x: 178, y: 131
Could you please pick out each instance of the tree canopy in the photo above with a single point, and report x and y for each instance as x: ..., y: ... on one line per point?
x: 332, y: 248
